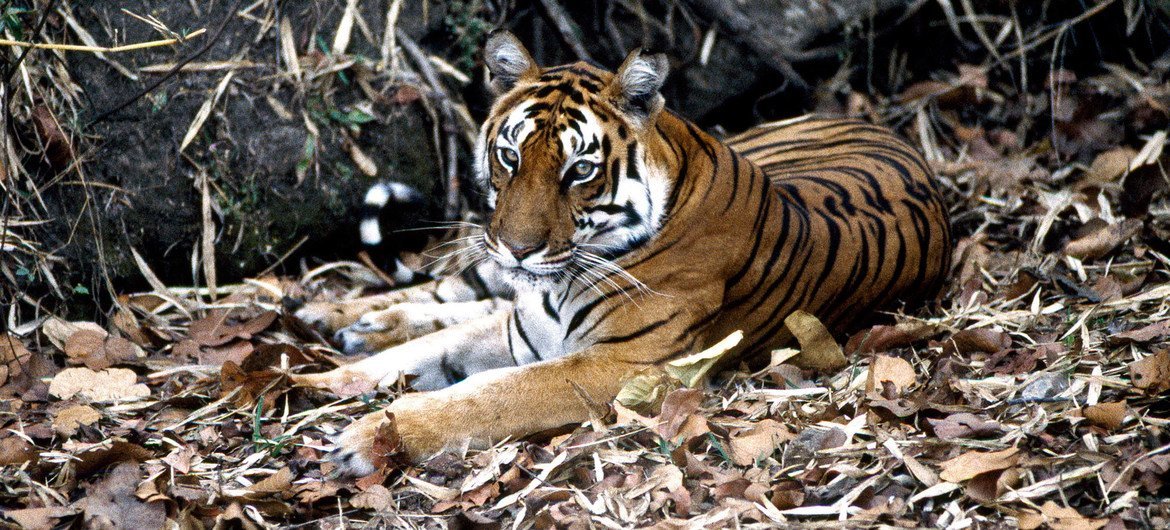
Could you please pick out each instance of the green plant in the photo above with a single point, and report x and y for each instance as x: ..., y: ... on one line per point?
x: 10, y: 21
x: 714, y: 442
x: 463, y: 21
x: 273, y: 445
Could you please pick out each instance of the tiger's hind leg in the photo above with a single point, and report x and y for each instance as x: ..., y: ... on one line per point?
x: 399, y: 323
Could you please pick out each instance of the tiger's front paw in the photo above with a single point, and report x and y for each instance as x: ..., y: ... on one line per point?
x: 409, y: 427
x: 326, y: 317
x: 379, y: 330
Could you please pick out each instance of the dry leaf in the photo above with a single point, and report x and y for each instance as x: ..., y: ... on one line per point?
x: 677, y: 409
x: 234, y: 352
x: 691, y: 370
x: 40, y: 518
x: 667, y: 477
x: 58, y: 331
x: 126, y: 322
x: 250, y: 385
x: 879, y: 339
x: 275, y: 483
x: 112, y: 503
x: 646, y: 390
x: 434, y: 491
x: 376, y: 498
x: 69, y: 420
x: 115, y: 384
x: 84, y: 342
x: 987, y: 487
x: 1106, y: 415
x: 1057, y: 517
x: 818, y: 349
x: 180, y: 460
x: 15, y: 450
x: 970, y: 464
x: 979, y: 340
x: 99, y: 350
x: 92, y: 458
x: 1143, y: 334
x: 964, y: 425
x: 1015, y: 361
x: 759, y: 441
x: 1102, y: 240
x: 894, y: 370
x: 13, y: 357
x: 213, y: 330
x: 1110, y: 165
x: 387, y: 450
x: 58, y: 150
x: 205, y: 111
x: 1152, y: 373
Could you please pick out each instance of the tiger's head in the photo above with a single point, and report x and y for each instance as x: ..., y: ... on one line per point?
x: 564, y: 159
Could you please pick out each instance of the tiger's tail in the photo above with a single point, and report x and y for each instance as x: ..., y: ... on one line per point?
x: 381, y: 209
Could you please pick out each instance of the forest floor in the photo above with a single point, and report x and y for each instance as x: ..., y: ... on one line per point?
x: 1033, y: 396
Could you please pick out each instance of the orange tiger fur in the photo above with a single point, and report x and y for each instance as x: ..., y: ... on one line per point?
x: 835, y: 217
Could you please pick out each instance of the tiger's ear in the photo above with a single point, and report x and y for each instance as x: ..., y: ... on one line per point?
x: 636, y: 84
x: 507, y: 60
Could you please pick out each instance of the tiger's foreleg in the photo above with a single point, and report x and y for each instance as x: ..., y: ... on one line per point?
x: 504, y: 403
x: 436, y: 360
x: 399, y: 323
x: 474, y: 284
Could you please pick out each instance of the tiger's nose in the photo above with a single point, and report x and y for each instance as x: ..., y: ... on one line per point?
x: 519, y: 250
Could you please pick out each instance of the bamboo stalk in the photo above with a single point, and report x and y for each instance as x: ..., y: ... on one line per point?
x: 102, y: 49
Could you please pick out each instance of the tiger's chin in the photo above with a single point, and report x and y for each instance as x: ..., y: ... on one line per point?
x: 521, y: 279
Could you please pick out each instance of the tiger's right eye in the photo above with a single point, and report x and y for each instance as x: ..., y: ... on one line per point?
x: 508, y: 157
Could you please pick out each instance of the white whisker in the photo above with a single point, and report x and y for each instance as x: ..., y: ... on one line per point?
x: 614, y: 268
x: 452, y: 242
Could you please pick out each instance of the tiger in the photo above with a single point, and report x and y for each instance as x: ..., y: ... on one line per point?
x: 620, y: 236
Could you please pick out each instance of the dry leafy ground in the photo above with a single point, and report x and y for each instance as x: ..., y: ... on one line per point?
x: 1035, y: 394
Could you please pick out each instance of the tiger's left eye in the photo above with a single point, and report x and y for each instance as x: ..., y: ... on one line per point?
x: 582, y: 169
x: 509, y: 157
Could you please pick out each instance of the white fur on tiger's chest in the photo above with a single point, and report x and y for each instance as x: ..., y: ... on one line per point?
x: 534, y: 328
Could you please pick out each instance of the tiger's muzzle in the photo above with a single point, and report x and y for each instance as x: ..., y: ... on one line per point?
x: 539, y: 260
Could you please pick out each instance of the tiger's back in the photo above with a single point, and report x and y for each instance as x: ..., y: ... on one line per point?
x: 868, y: 228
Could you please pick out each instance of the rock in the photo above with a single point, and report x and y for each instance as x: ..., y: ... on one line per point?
x: 1045, y: 386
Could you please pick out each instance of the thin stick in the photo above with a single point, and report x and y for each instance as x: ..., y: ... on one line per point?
x: 448, y: 124
x: 206, y: 46
x: 564, y: 24
x: 102, y: 49
x: 364, y: 257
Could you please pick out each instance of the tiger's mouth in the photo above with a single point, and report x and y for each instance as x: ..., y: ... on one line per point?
x: 537, y: 265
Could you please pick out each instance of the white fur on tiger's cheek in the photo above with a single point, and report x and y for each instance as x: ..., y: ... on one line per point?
x: 517, y: 124
x: 643, y: 201
x: 657, y: 193
x: 481, y: 162
x: 371, y: 232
